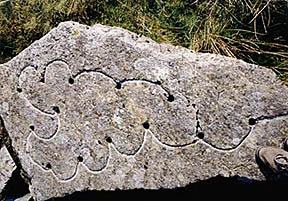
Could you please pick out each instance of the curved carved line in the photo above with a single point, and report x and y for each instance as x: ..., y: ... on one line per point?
x: 27, y: 66
x: 229, y: 149
x: 38, y: 109
x: 147, y: 81
x: 76, y: 168
x: 55, y: 60
x: 108, y: 159
x: 270, y: 118
x: 88, y: 72
x: 171, y: 147
x: 137, y: 150
x: 52, y: 136
x: 50, y: 170
x: 100, y: 170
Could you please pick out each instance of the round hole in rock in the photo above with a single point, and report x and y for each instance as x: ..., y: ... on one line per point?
x: 109, y: 139
x: 252, y: 121
x: 48, y: 166
x: 118, y: 85
x: 80, y: 158
x: 56, y: 109
x: 171, y: 98
x: 32, y: 127
x: 145, y: 167
x: 158, y: 82
x: 71, y: 80
x: 146, y: 125
x: 19, y: 90
x: 200, y: 135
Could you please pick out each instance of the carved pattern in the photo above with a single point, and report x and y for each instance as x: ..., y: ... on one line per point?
x: 75, y: 115
x: 77, y: 119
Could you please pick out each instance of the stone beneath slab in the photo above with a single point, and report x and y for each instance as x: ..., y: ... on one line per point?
x: 102, y: 108
x: 26, y: 197
x: 7, y: 167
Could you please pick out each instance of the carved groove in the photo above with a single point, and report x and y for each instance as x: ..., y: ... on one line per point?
x: 199, y: 136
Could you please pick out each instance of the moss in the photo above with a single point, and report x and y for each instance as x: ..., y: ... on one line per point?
x: 76, y: 32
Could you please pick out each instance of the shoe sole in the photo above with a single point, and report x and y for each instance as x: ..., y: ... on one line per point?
x: 269, y: 174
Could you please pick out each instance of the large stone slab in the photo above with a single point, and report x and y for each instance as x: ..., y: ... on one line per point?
x: 103, y: 108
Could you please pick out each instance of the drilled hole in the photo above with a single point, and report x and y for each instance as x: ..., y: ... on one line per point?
x: 19, y: 90
x: 71, y: 80
x: 48, y: 166
x: 171, y: 98
x: 109, y: 139
x: 146, y: 125
x: 200, y: 135
x: 32, y: 127
x: 80, y: 158
x: 145, y: 167
x: 118, y: 85
x: 99, y: 142
x: 56, y: 109
x: 158, y: 82
x: 252, y: 121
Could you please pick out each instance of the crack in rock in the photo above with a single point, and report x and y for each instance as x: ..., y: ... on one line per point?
x: 253, y: 121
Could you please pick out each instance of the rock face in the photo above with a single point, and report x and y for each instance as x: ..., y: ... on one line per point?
x: 103, y: 108
x: 7, y: 166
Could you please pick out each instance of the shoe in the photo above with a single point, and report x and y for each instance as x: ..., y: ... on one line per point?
x: 275, y: 159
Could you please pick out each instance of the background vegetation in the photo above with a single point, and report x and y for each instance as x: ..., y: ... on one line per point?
x: 253, y: 30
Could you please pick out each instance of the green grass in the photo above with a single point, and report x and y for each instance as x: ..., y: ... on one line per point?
x: 252, y: 30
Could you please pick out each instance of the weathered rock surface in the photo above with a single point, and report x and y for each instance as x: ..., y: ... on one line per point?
x: 103, y: 108
x: 26, y: 197
x: 7, y: 166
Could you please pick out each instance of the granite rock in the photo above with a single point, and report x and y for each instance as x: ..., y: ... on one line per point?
x: 101, y: 108
x: 7, y: 167
x: 26, y: 197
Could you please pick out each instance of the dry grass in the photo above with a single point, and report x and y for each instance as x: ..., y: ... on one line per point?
x: 252, y: 30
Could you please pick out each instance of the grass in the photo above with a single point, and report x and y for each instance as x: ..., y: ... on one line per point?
x: 252, y: 30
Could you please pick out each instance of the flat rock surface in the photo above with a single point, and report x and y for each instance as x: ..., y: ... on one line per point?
x: 24, y: 198
x: 7, y: 166
x: 93, y: 108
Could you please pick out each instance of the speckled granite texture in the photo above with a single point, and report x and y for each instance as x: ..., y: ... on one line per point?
x: 7, y: 167
x: 93, y: 108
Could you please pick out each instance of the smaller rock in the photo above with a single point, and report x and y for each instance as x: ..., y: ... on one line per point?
x: 26, y: 197
x: 7, y: 166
